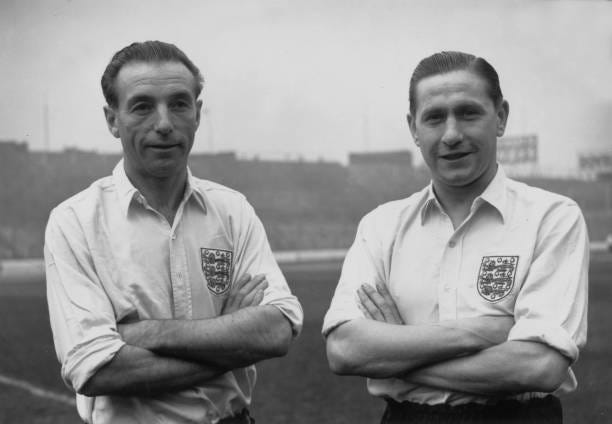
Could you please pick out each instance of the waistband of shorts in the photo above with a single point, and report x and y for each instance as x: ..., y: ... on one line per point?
x: 240, y: 417
x: 500, y: 408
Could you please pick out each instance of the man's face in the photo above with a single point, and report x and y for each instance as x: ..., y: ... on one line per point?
x: 456, y: 126
x: 156, y: 117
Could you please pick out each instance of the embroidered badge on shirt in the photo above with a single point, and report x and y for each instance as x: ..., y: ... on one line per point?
x: 217, y: 266
x: 496, y: 276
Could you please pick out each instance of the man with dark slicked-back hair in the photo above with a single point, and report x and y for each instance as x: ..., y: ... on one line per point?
x: 467, y: 301
x: 163, y: 291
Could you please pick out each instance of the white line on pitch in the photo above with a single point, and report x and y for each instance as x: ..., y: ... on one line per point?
x: 37, y: 391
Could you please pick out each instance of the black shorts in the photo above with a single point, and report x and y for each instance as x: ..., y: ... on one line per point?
x: 242, y: 417
x: 545, y: 410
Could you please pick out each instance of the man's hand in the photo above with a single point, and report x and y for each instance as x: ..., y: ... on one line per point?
x: 245, y: 292
x: 378, y: 305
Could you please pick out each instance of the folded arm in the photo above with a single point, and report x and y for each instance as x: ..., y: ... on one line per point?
x: 138, y: 372
x: 167, y: 355
x: 382, y: 346
x: 508, y: 368
x: 234, y: 340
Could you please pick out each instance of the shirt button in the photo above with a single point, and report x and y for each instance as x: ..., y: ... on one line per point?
x: 179, y: 275
x: 452, y: 243
x: 173, y: 236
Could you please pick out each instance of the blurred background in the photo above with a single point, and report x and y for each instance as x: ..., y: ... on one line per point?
x: 304, y: 112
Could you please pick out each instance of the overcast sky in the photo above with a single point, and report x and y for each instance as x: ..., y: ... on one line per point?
x: 310, y: 78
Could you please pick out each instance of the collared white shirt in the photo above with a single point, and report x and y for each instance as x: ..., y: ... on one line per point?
x: 110, y: 257
x: 522, y: 252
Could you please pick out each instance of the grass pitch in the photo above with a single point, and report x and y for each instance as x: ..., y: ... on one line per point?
x: 298, y: 388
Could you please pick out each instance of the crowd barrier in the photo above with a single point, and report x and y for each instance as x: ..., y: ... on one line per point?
x: 28, y: 270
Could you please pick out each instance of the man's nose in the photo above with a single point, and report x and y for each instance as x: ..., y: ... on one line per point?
x: 452, y: 133
x: 163, y: 121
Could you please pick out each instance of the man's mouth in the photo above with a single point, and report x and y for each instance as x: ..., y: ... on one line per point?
x: 455, y: 156
x: 163, y: 146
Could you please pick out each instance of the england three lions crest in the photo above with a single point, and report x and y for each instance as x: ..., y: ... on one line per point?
x: 496, y: 276
x: 217, y: 267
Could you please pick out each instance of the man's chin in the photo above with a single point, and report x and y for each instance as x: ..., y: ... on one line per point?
x: 458, y: 179
x: 166, y: 168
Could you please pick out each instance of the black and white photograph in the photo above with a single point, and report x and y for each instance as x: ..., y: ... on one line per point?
x: 306, y: 212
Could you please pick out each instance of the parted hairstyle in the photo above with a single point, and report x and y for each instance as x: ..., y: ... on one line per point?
x: 449, y: 61
x: 149, y: 52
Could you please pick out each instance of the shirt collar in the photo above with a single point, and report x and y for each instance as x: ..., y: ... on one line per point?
x: 430, y: 202
x: 127, y: 192
x: 494, y: 194
x: 194, y: 189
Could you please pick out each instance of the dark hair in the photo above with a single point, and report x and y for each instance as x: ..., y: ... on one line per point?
x: 147, y: 51
x: 445, y: 62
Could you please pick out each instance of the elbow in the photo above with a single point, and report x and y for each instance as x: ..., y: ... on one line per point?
x: 552, y: 374
x: 91, y: 388
x: 349, y: 354
x: 337, y: 362
x: 544, y: 374
x: 280, y: 346
x: 279, y: 337
x: 339, y: 357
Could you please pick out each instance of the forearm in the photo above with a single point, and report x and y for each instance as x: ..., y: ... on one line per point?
x: 508, y: 368
x: 138, y: 372
x: 378, y: 350
x: 230, y: 341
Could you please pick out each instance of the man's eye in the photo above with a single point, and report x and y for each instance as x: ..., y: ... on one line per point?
x: 180, y: 105
x: 141, y: 108
x: 433, y: 118
x: 469, y: 114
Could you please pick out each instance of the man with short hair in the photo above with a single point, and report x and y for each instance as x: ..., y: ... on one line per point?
x: 467, y: 301
x: 163, y: 291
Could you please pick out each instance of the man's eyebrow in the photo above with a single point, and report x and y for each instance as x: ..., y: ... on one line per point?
x: 182, y: 94
x: 430, y: 109
x: 139, y: 98
x: 469, y: 103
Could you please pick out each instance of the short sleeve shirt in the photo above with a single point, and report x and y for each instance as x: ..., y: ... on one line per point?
x: 112, y: 258
x: 522, y: 252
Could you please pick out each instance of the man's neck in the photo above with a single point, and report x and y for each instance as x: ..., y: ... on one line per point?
x: 164, y: 194
x: 457, y: 200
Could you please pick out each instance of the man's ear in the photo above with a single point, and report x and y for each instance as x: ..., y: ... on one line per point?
x: 198, y: 112
x: 111, y: 120
x: 503, y: 110
x: 412, y: 126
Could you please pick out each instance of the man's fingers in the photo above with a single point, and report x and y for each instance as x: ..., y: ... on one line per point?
x: 259, y: 295
x: 243, y: 294
x: 252, y: 284
x: 365, y: 312
x: 242, y: 288
x: 381, y: 304
x: 255, y: 296
x: 249, y: 289
x: 384, y: 292
x: 233, y: 299
x: 240, y: 282
x: 369, y: 305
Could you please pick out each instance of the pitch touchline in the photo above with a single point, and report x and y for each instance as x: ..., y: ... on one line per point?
x: 37, y: 391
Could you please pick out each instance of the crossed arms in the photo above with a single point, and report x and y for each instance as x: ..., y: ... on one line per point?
x: 468, y: 355
x: 169, y: 355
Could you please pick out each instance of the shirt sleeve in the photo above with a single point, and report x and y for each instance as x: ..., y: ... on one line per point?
x: 81, y: 315
x: 254, y: 256
x: 551, y: 307
x: 363, y: 264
